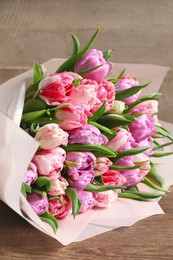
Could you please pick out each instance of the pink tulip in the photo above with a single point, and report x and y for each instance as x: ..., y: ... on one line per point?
x: 58, y: 187
x: 102, y: 165
x: 60, y: 207
x: 50, y: 136
x: 148, y: 107
x: 73, y: 116
x: 105, y: 199
x: 113, y: 177
x: 56, y: 88
x: 50, y: 162
x: 87, y: 200
x: 120, y: 140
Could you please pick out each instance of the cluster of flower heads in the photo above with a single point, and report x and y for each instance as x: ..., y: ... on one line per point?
x: 94, y: 147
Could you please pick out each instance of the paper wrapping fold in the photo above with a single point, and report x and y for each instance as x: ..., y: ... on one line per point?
x: 17, y: 149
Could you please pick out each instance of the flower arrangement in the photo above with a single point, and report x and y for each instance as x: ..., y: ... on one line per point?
x: 97, y: 135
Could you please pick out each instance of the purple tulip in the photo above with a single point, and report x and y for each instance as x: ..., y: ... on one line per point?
x: 88, y: 134
x: 87, y: 200
x: 38, y: 203
x: 142, y: 127
x: 30, y: 175
x: 127, y: 82
x: 80, y: 168
x: 135, y: 176
x: 92, y: 59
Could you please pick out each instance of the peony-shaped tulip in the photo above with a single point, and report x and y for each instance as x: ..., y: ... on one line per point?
x: 105, y: 199
x: 127, y: 82
x: 56, y: 88
x: 148, y: 107
x: 87, y: 134
x: 113, y: 177
x: 85, y: 93
x: 30, y: 175
x: 87, y: 200
x: 142, y: 128
x: 50, y: 136
x: 60, y: 207
x: 92, y: 59
x: 58, y: 187
x: 80, y: 168
x: 50, y: 162
x: 106, y: 92
x: 38, y: 203
x: 73, y: 115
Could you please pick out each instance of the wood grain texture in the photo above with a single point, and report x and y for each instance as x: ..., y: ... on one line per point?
x: 139, y: 32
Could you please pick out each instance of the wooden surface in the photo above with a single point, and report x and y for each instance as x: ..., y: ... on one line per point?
x: 139, y: 32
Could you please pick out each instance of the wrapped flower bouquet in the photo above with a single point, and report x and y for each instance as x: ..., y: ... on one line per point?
x: 85, y: 144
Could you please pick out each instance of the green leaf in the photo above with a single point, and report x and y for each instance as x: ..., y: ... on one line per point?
x: 43, y: 182
x: 45, y: 120
x: 68, y: 64
x: 34, y: 105
x: 33, y: 129
x: 31, y: 90
x: 38, y: 72
x: 107, y: 55
x: 151, y: 184
x: 97, y: 114
x: 121, y: 74
x: 25, y: 189
x: 121, y: 94
x: 130, y: 152
x: 39, y: 191
x: 139, y: 195
x: 76, y: 203
x: 161, y: 154
x: 122, y: 168
x: 160, y: 146
x: 154, y: 174
x: 98, y: 180
x: 113, y: 120
x: 76, y: 44
x: 51, y: 220
x: 153, y: 96
x: 33, y: 115
x: 96, y: 188
x: 99, y: 151
x: 162, y: 131
x: 103, y: 128
x: 82, y: 73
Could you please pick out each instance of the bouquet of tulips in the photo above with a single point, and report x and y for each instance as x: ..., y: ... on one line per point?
x: 97, y: 135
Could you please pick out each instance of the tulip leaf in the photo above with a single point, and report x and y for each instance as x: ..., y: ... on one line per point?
x: 30, y: 116
x: 113, y: 120
x: 38, y: 72
x: 153, y: 96
x: 45, y: 120
x: 76, y: 203
x: 33, y: 129
x: 152, y: 185
x: 34, y: 105
x: 139, y: 195
x: 100, y: 188
x: 31, y: 90
x: 69, y: 64
x: 107, y: 55
x: 122, y: 168
x: 82, y: 73
x: 162, y: 131
x: 125, y: 93
x: 154, y: 174
x: 161, y: 154
x: 97, y: 114
x: 130, y: 152
x: 51, y: 220
x: 43, y: 182
x: 98, y: 151
x: 160, y: 146
x: 103, y: 128
x: 98, y: 179
x: 76, y: 44
x: 121, y: 74
x: 25, y: 189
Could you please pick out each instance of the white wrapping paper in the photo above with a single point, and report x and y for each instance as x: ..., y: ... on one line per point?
x: 17, y: 149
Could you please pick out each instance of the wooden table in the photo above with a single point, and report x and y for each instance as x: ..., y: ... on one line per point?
x: 140, y: 32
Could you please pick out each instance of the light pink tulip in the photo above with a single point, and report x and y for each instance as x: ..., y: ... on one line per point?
x: 120, y: 140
